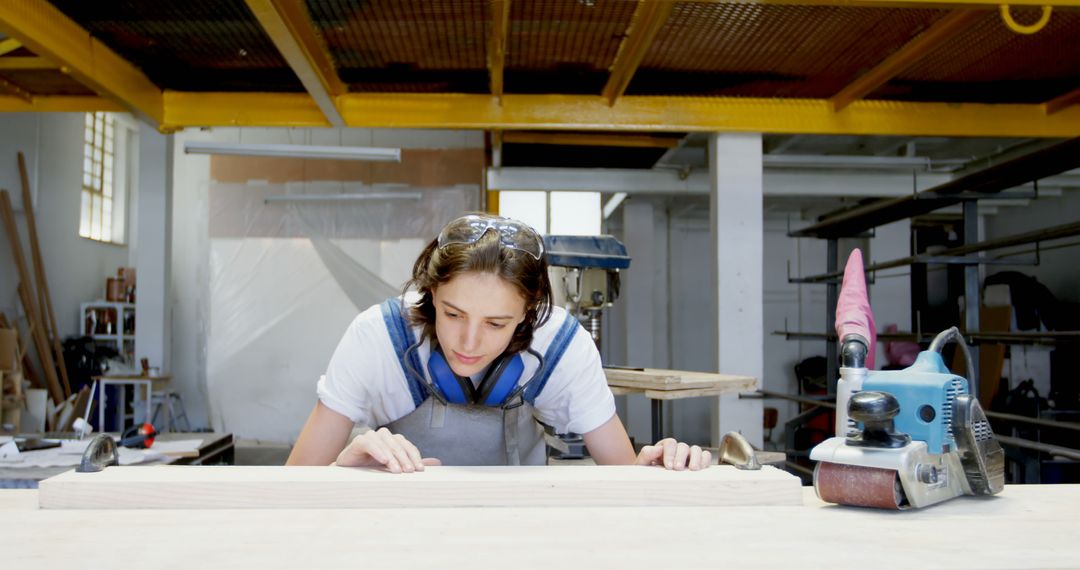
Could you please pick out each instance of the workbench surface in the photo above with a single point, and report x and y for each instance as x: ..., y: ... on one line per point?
x: 1032, y: 526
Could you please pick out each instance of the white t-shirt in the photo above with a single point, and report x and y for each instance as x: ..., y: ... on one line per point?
x: 365, y: 383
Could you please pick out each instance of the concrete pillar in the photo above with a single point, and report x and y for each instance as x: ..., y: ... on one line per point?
x: 637, y: 290
x: 152, y: 248
x: 737, y: 228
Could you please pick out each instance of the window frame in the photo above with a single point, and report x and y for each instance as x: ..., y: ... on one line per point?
x: 108, y: 140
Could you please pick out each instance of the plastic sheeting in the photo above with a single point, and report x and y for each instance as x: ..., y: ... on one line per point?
x: 286, y: 279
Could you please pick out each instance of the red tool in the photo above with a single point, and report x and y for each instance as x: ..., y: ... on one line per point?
x: 141, y: 436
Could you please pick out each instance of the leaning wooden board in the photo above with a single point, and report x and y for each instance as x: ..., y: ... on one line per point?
x: 227, y: 487
x: 657, y: 379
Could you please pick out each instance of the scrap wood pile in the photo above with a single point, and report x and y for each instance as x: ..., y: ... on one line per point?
x: 39, y: 323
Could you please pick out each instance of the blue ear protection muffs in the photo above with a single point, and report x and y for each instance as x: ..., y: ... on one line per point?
x: 495, y: 388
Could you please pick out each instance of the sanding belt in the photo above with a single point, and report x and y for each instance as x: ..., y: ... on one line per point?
x: 858, y: 486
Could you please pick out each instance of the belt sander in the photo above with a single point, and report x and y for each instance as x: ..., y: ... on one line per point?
x: 904, y: 438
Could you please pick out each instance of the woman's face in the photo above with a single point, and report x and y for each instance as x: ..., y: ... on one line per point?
x: 475, y: 318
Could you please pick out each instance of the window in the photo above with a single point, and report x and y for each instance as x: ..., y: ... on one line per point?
x: 559, y: 213
x: 101, y: 216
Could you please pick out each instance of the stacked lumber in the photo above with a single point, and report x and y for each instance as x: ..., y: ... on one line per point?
x: 33, y: 292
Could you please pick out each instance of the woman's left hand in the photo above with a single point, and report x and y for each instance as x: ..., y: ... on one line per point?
x: 674, y: 455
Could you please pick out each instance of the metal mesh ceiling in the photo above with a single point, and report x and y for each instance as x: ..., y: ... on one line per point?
x: 988, y: 63
x: 188, y: 45
x: 568, y: 46
x: 563, y: 46
x: 406, y: 45
x: 772, y: 50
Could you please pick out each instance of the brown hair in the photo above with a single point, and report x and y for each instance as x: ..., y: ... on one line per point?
x: 525, y: 273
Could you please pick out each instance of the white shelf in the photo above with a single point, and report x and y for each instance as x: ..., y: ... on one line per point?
x: 119, y: 312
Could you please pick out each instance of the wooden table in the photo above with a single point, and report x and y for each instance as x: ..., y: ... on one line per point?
x: 1032, y: 526
x: 658, y: 385
x: 215, y: 448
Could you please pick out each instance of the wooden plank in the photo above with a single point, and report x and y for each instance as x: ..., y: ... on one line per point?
x: 180, y: 487
x: 675, y: 394
x: 657, y: 379
x: 41, y: 342
x: 44, y: 298
x: 1040, y: 522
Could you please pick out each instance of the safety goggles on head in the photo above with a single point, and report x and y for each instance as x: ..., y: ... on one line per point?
x: 512, y: 233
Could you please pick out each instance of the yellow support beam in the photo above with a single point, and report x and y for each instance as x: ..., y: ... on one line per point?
x: 9, y: 45
x: 59, y: 104
x: 500, y: 23
x: 46, y: 31
x: 942, y: 30
x: 1062, y: 102
x: 290, y: 28
x: 189, y: 109
x: 13, y: 89
x: 630, y: 113
x: 648, y: 18
x: 26, y: 64
x: 934, y: 4
x: 591, y: 139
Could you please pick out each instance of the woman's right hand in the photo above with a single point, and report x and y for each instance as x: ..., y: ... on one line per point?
x: 380, y: 448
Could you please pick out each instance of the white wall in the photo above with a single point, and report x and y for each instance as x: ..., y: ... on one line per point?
x: 264, y: 392
x: 75, y: 267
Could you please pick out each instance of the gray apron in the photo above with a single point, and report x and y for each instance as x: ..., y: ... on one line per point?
x: 458, y: 434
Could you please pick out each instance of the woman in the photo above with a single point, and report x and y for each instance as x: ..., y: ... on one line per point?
x: 460, y: 375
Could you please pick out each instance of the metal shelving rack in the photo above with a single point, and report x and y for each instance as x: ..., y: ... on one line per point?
x: 967, y: 190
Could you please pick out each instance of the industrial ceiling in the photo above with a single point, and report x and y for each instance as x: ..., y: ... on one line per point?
x: 841, y: 67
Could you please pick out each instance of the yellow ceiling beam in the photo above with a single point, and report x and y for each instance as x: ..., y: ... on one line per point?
x: 630, y: 113
x: 59, y: 104
x: 9, y: 45
x: 648, y: 18
x: 1064, y: 101
x: 46, y: 31
x: 26, y: 64
x: 290, y: 28
x: 940, y: 32
x: 189, y: 109
x: 590, y: 139
x: 13, y: 89
x: 969, y: 4
x: 500, y: 24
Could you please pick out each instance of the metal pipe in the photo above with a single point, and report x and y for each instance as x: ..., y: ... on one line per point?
x: 793, y: 398
x: 1033, y: 421
x: 832, y: 291
x: 1068, y: 452
x: 972, y: 293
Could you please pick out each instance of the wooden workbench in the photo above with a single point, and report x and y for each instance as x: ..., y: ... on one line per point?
x: 1023, y: 527
x: 658, y: 385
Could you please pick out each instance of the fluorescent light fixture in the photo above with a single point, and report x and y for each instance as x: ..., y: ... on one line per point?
x: 373, y: 154
x: 343, y: 197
